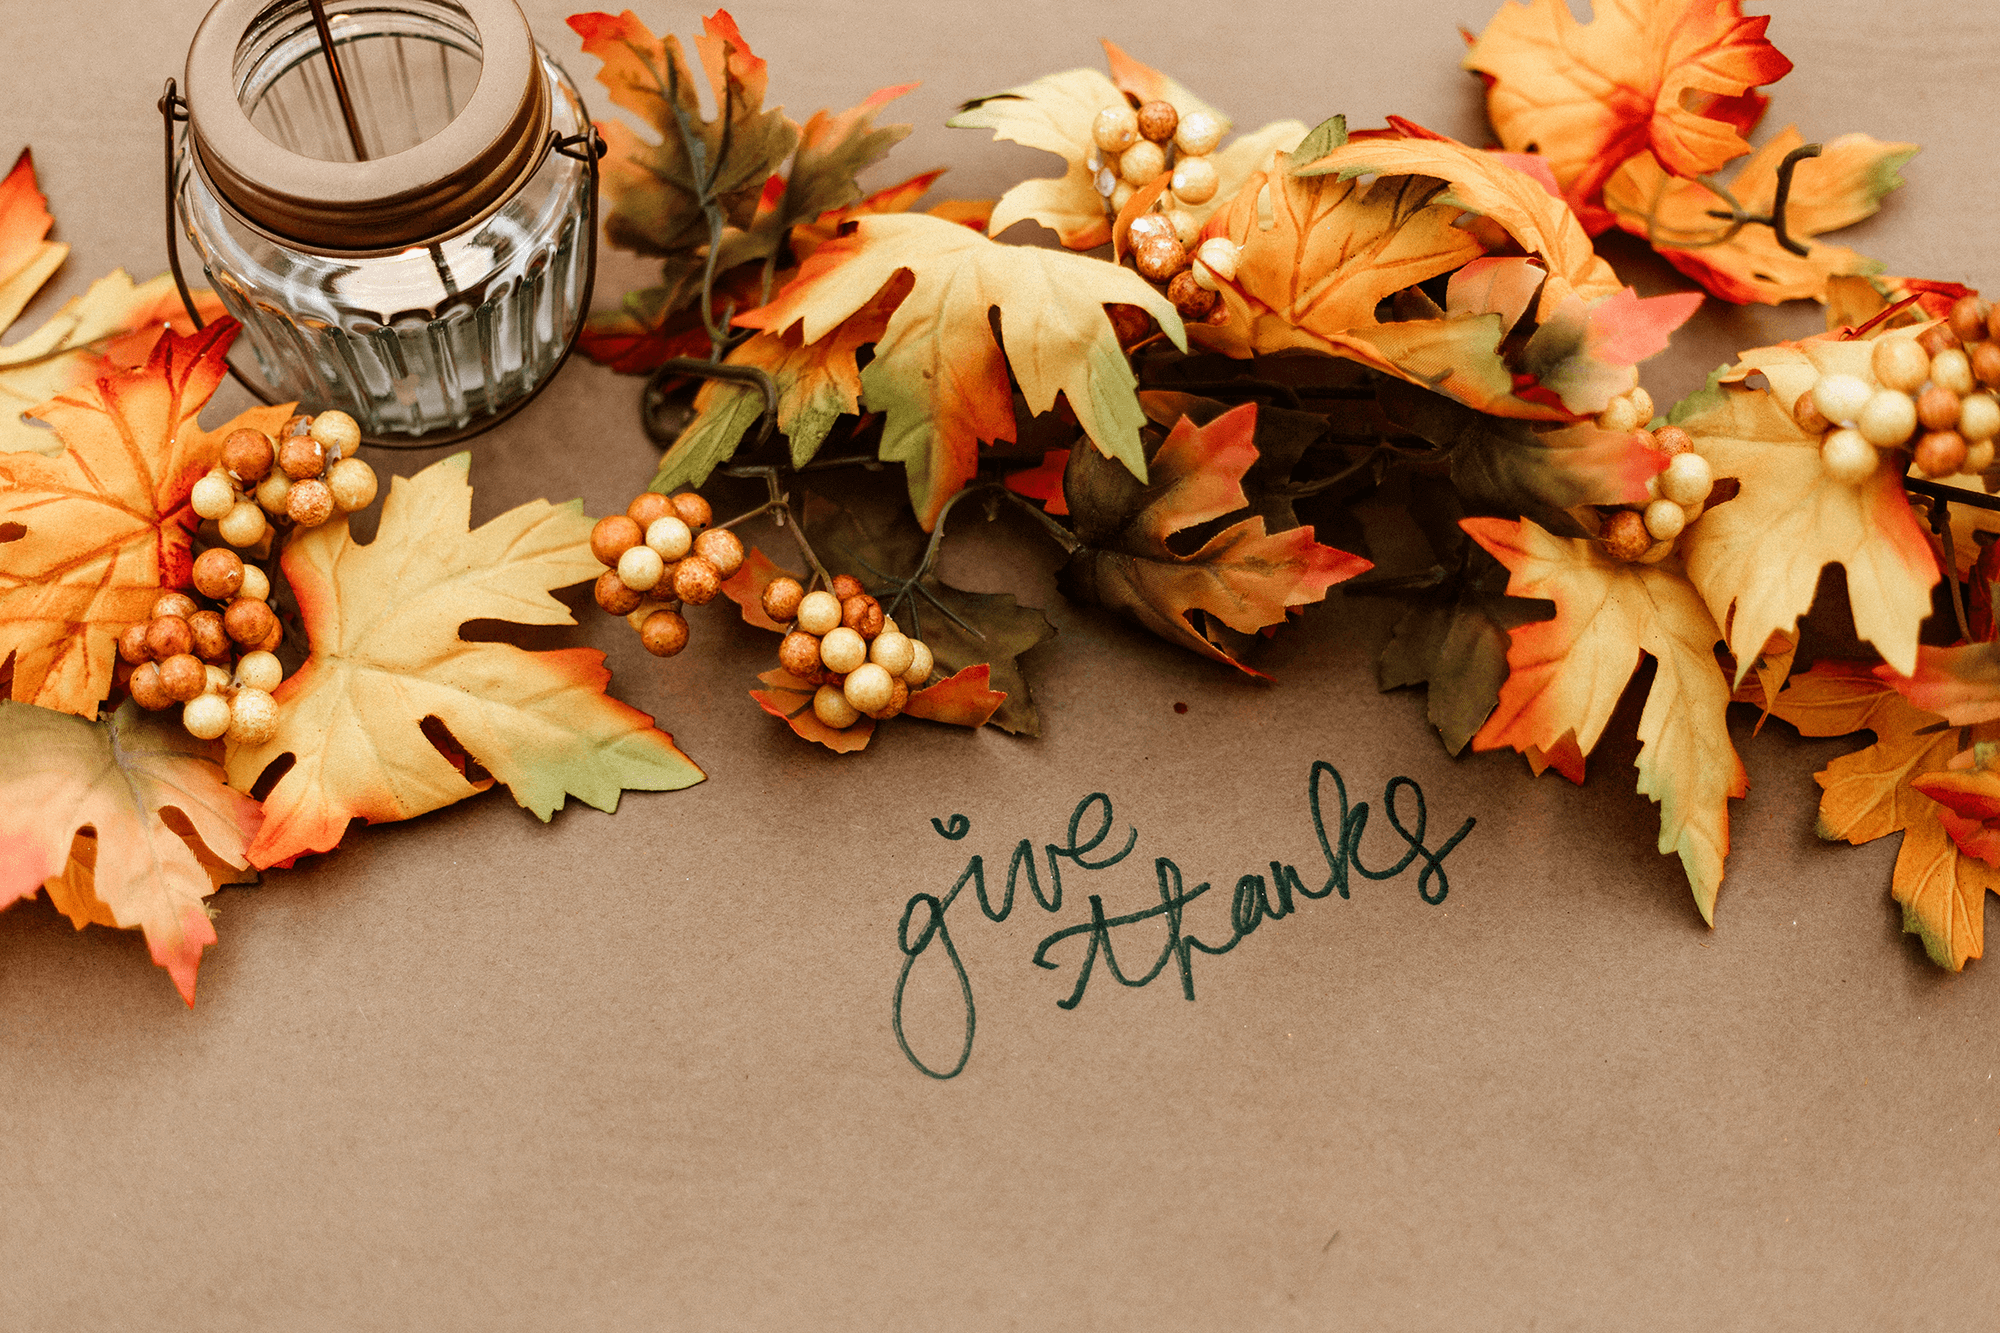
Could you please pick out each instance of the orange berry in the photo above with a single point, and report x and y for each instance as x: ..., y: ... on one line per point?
x: 693, y: 510
x: 696, y: 581
x: 218, y: 573
x: 782, y: 597
x: 614, y: 535
x: 249, y: 622
x: 613, y: 596
x: 664, y: 633
x: 168, y: 636
x: 147, y: 691
x: 247, y: 455
x: 647, y: 507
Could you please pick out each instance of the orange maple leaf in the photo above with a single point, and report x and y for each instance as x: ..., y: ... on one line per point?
x: 1565, y: 675
x: 1874, y: 792
x: 100, y: 528
x: 1244, y: 577
x: 816, y: 381
x: 1840, y: 187
x: 1326, y: 240
x: 383, y: 620
x: 1674, y: 77
x: 655, y: 189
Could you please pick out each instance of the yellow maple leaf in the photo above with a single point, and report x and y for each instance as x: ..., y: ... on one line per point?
x: 1055, y: 113
x: 1565, y: 676
x: 1836, y: 189
x: 1869, y: 794
x: 938, y: 373
x: 383, y: 619
x: 1757, y: 559
x: 163, y: 826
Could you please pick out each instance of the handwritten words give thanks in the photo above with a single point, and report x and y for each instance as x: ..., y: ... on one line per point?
x: 1157, y: 930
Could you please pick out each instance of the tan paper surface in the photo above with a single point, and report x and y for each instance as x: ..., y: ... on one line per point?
x: 639, y: 1071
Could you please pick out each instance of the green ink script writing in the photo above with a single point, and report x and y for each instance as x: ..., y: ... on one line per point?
x: 1256, y: 899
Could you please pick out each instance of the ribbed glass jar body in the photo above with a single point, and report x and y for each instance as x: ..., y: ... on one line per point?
x: 431, y: 337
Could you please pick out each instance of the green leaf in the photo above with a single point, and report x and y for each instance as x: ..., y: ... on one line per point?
x: 1328, y: 135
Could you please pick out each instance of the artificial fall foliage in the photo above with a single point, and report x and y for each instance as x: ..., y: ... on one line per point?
x: 1238, y: 345
x: 1055, y: 113
x: 383, y: 619
x: 113, y: 324
x: 105, y: 524
x: 128, y: 822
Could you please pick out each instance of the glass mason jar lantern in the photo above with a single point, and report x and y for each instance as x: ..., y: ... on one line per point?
x: 396, y: 198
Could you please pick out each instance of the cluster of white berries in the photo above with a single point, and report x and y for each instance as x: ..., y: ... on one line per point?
x: 1935, y: 388
x: 1676, y: 497
x: 314, y: 478
x: 840, y: 641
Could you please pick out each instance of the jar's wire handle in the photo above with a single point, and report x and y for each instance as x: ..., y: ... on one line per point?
x: 588, y: 148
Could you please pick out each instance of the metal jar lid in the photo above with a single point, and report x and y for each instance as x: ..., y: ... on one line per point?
x: 414, y: 197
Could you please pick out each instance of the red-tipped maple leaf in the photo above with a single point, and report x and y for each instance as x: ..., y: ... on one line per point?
x: 1875, y: 792
x: 1565, y: 676
x: 102, y: 526
x: 1244, y: 577
x: 1674, y: 77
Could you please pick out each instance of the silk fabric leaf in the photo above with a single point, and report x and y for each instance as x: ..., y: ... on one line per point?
x: 105, y: 523
x: 1565, y: 676
x: 383, y: 620
x: 1871, y: 793
x: 123, y: 778
x: 1757, y: 559
x: 1843, y: 185
x: 939, y: 375
x: 1671, y: 76
x: 1244, y: 577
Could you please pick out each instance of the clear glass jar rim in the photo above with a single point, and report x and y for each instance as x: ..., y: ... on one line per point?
x: 407, y: 198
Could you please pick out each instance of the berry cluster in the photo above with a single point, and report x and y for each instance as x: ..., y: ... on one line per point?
x: 188, y: 653
x: 311, y: 481
x: 1130, y: 151
x: 840, y: 641
x: 1677, y: 496
x: 1935, y: 388
x: 661, y: 554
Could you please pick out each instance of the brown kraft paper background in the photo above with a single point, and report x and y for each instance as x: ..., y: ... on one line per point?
x: 638, y: 1071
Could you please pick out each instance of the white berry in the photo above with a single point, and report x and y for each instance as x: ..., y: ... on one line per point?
x: 1889, y: 419
x: 1840, y: 398
x: 260, y: 671
x: 243, y: 525
x: 1665, y: 519
x: 640, y: 568
x: 1687, y: 479
x: 1847, y: 457
x: 206, y: 716
x: 213, y: 496
x: 831, y: 707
